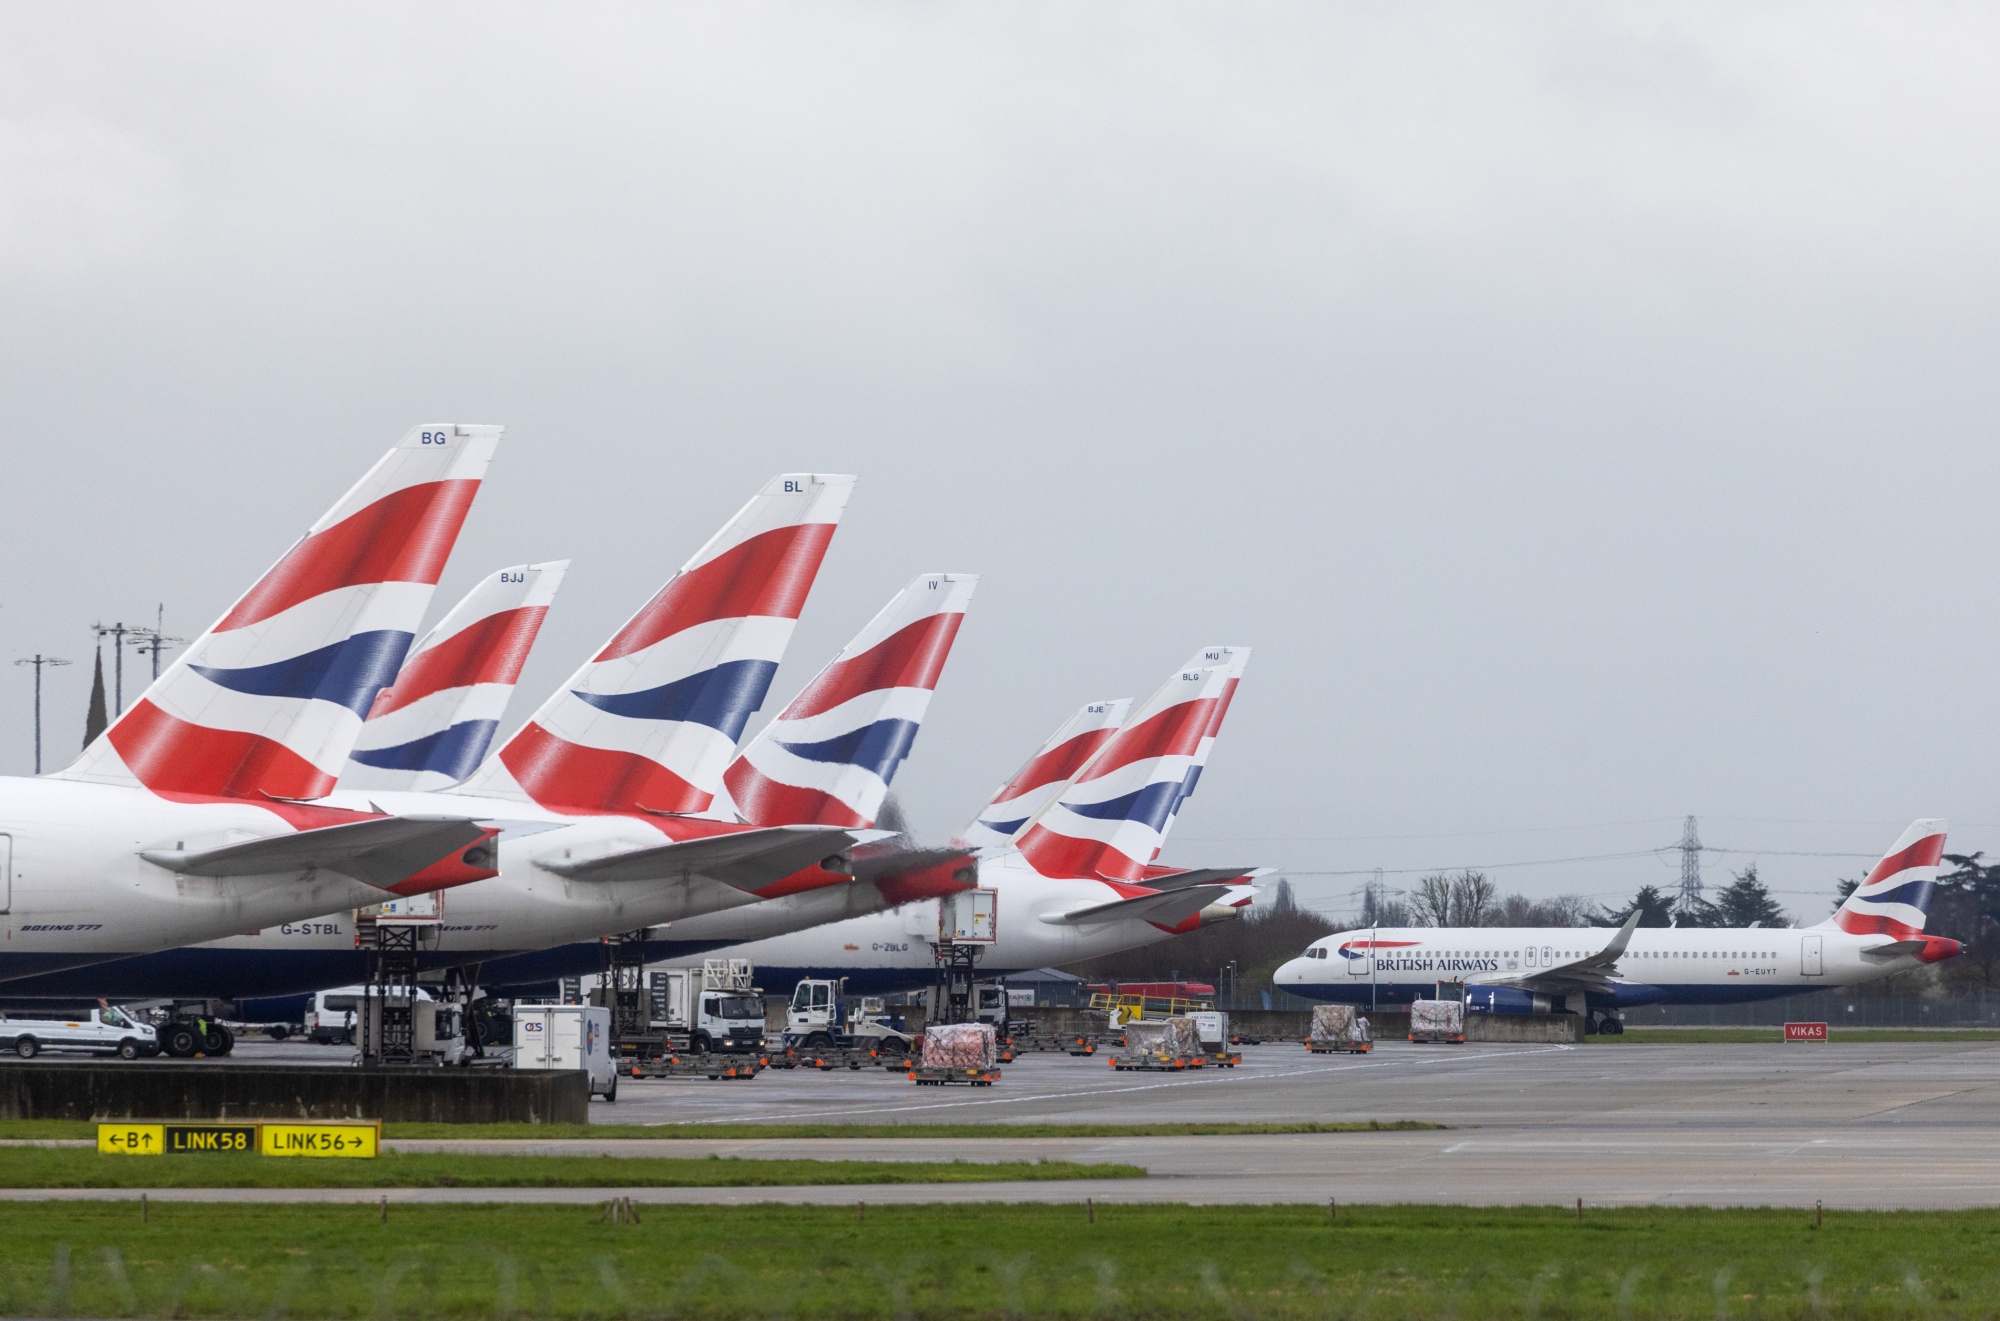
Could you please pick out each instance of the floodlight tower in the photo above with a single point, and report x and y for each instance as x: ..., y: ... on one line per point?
x: 38, y: 661
x: 1690, y: 867
x: 151, y: 641
x: 117, y: 633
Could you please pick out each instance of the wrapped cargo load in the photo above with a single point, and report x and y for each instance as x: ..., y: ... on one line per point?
x: 960, y: 1046
x: 1338, y: 1028
x: 1437, y: 1020
x: 1160, y: 1043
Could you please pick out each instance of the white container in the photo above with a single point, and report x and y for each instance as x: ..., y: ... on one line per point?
x: 1211, y: 1029
x: 552, y: 1036
x: 970, y: 917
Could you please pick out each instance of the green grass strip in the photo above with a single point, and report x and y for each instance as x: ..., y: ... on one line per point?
x: 45, y: 1129
x: 41, y: 1167
x: 1242, y: 1263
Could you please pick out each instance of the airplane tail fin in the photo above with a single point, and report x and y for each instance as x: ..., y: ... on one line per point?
x: 1111, y: 820
x: 269, y: 701
x: 433, y: 726
x: 1044, y: 774
x: 828, y: 758
x: 650, y: 723
x: 1895, y: 900
x: 1234, y: 660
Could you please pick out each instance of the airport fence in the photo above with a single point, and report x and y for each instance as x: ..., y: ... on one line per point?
x: 1837, y: 1008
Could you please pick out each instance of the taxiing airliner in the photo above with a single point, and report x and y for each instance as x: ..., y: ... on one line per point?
x: 1594, y: 972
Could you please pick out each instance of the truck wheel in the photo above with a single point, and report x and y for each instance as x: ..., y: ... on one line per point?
x: 698, y: 1045
x: 128, y: 1049
x: 178, y: 1041
x: 27, y: 1048
x: 819, y: 1041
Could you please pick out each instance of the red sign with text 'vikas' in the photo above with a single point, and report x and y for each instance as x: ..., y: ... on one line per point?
x: 1805, y: 1032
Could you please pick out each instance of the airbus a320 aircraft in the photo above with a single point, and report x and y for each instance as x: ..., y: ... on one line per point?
x: 1593, y: 971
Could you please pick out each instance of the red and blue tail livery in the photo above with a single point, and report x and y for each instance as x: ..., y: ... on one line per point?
x: 1112, y: 819
x: 1895, y: 900
x: 268, y: 702
x: 1054, y: 764
x: 651, y: 722
x: 433, y: 726
x: 828, y: 758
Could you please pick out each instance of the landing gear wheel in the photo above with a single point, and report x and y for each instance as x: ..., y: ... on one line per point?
x: 178, y: 1040
x: 1611, y: 1027
x: 1589, y: 1025
x: 216, y: 1040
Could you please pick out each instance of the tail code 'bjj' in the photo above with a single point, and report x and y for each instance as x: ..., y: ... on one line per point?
x: 650, y: 723
x: 433, y: 726
x: 268, y: 702
x: 828, y: 758
x: 1044, y: 775
x: 1111, y: 820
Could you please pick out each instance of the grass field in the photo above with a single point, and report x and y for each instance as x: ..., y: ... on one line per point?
x: 42, y: 1167
x: 1641, y: 1036
x: 1382, y: 1263
x: 47, y: 1129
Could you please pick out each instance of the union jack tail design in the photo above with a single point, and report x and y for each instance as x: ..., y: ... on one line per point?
x: 1111, y: 820
x: 269, y: 701
x: 1896, y: 897
x: 1234, y: 660
x: 1037, y: 783
x: 828, y: 758
x: 650, y: 723
x: 433, y: 726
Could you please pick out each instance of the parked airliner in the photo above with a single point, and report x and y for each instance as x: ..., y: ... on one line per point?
x: 1594, y: 971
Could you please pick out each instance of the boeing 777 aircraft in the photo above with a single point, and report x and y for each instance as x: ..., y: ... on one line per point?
x: 1594, y: 971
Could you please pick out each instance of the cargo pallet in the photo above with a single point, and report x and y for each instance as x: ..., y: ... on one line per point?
x: 1438, y: 1038
x: 1154, y: 1064
x: 940, y: 1077
x: 695, y: 1066
x: 1341, y: 1048
x: 826, y: 1061
x: 1226, y: 1060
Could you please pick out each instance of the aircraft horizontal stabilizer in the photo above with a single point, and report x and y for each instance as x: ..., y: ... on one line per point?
x: 1169, y: 909
x: 1193, y: 876
x: 745, y: 859
x: 379, y: 851
x: 1894, y: 949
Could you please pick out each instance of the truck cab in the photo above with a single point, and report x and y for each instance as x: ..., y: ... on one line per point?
x: 727, y: 1021
x: 822, y: 1016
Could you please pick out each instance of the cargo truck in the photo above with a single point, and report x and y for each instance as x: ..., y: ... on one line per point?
x: 713, y: 1008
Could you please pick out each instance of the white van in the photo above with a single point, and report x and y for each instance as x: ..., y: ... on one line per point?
x: 101, y: 1032
x: 330, y: 1016
x: 550, y: 1036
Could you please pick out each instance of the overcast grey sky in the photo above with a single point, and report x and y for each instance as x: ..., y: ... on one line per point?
x: 1585, y: 411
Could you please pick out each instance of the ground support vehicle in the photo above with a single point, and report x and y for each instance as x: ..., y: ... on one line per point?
x: 714, y: 1007
x: 823, y: 1017
x: 100, y: 1032
x: 1437, y: 1022
x: 1211, y: 1034
x: 707, y: 1065
x: 556, y: 1036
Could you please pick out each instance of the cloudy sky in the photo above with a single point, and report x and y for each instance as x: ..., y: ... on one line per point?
x: 1586, y: 412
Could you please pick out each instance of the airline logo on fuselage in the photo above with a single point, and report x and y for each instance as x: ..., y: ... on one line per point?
x: 1410, y: 962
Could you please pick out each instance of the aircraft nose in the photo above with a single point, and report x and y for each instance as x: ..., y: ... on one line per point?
x: 1288, y: 972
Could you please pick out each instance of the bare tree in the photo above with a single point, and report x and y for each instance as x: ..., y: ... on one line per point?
x: 1464, y: 900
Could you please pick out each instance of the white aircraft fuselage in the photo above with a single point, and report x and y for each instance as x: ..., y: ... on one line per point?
x: 1531, y: 969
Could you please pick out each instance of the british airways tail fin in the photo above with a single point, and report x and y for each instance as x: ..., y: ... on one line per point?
x: 1234, y: 660
x: 1044, y: 774
x: 1111, y: 820
x: 268, y: 702
x: 828, y: 758
x: 650, y: 723
x: 1895, y: 900
x: 433, y: 726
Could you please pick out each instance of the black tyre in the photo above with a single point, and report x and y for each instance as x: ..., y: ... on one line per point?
x: 27, y: 1048
x: 215, y: 1040
x: 179, y: 1041
x: 699, y: 1045
x: 128, y: 1049
x: 611, y: 1092
x: 819, y: 1041
x: 228, y: 1038
x: 277, y: 1032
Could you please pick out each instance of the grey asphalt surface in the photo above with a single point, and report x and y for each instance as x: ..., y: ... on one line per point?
x: 1901, y: 1125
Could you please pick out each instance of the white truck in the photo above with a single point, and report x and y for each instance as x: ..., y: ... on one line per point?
x: 713, y: 1008
x: 822, y: 1016
x: 101, y: 1032
x: 553, y: 1036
